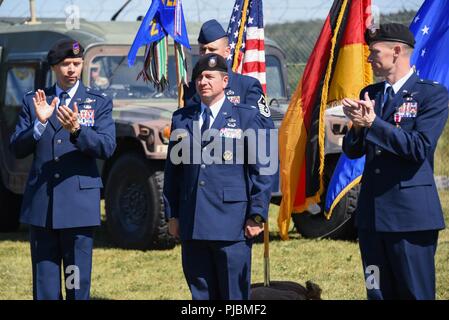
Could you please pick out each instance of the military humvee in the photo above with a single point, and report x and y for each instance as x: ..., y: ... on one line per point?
x: 133, y: 177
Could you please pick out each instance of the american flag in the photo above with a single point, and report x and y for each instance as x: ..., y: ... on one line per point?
x: 246, y: 39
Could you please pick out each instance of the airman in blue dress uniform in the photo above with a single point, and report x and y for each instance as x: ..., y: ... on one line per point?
x: 66, y: 128
x: 396, y: 124
x: 240, y: 89
x: 216, y: 207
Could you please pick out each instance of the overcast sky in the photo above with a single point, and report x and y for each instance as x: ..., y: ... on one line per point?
x: 275, y: 11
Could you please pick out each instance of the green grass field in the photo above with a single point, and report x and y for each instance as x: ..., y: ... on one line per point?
x: 129, y: 274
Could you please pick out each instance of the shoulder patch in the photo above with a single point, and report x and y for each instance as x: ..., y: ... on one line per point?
x: 263, y: 108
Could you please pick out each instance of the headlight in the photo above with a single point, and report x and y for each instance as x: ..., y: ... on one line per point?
x: 165, y: 134
x: 147, y: 135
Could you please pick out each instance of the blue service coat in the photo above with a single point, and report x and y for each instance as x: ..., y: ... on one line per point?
x: 398, y: 192
x: 64, y: 182
x: 241, y: 89
x: 213, y: 200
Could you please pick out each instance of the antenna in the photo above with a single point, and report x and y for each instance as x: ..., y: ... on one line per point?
x: 120, y: 10
x: 33, y: 13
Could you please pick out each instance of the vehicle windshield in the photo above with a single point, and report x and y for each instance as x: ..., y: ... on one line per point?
x: 112, y: 75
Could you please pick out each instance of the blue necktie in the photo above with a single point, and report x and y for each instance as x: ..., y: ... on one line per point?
x: 206, y: 120
x: 389, y: 93
x: 62, y: 98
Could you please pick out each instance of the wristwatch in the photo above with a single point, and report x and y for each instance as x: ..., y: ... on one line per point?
x: 257, y: 218
x: 75, y: 134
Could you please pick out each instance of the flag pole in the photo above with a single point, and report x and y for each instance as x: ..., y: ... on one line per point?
x: 181, y: 72
x: 240, y: 39
x: 180, y: 95
x: 266, y: 255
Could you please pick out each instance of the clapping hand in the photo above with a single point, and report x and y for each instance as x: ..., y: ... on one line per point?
x: 68, y: 118
x: 360, y: 112
x: 42, y: 108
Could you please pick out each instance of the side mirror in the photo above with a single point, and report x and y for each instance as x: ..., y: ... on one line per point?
x: 274, y: 103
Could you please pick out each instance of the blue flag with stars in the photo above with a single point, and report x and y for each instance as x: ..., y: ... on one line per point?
x: 431, y: 29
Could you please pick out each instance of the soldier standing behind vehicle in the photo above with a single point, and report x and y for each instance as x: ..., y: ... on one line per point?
x: 240, y: 88
x: 397, y: 124
x: 97, y: 81
x: 66, y: 127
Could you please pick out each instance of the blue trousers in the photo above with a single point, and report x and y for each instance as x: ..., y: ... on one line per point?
x: 217, y: 270
x: 71, y: 247
x: 399, y: 265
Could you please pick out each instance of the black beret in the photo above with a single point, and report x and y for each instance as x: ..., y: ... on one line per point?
x: 66, y: 48
x: 393, y: 32
x: 209, y: 62
x: 210, y: 31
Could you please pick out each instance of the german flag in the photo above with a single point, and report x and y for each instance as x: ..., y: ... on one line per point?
x: 337, y: 68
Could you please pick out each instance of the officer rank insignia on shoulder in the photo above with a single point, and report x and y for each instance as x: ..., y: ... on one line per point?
x: 431, y: 82
x: 263, y: 108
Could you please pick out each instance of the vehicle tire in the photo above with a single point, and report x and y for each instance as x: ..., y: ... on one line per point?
x: 10, y: 211
x: 341, y: 225
x: 134, y: 205
x: 276, y: 200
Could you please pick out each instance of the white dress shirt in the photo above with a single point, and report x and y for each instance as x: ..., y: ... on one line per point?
x: 215, y: 109
x: 398, y: 85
